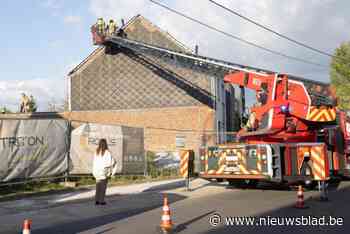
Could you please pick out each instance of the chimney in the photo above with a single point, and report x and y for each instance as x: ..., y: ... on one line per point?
x: 123, y: 22
x: 196, y: 50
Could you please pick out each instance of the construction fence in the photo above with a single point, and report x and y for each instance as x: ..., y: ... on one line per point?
x: 33, y: 149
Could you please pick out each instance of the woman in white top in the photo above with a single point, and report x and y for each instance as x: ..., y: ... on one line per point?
x: 102, y: 168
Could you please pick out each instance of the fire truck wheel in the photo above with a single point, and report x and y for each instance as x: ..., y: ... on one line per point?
x: 251, y: 183
x: 310, y: 185
x: 243, y: 183
x: 219, y: 180
x: 233, y: 183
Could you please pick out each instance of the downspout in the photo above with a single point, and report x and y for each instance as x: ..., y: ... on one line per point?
x: 214, y: 91
x: 69, y: 85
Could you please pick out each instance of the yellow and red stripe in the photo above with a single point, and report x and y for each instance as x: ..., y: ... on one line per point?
x: 321, y: 114
x: 318, y: 163
x: 184, y: 156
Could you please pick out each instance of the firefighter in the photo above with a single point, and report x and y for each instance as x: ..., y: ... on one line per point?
x: 24, y: 103
x: 112, y: 27
x: 251, y: 124
x: 306, y: 166
x: 261, y: 97
x: 101, y: 27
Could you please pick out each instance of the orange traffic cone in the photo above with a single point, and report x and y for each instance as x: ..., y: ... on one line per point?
x: 166, y: 225
x: 26, y: 226
x: 300, y: 200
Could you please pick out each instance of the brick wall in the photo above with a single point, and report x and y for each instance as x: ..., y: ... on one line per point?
x: 162, y: 125
x: 117, y: 79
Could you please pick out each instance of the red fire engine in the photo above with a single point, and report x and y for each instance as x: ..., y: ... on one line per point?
x: 295, y: 132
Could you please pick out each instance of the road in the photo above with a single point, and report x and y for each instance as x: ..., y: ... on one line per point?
x: 141, y: 213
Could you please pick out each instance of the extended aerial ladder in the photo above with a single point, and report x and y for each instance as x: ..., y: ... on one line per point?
x: 295, y: 111
x: 319, y: 92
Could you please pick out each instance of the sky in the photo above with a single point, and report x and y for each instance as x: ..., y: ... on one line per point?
x: 42, y: 40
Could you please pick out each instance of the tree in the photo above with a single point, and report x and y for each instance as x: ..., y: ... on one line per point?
x: 32, y: 104
x: 340, y: 74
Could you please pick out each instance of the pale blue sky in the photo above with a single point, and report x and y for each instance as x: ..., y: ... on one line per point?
x: 37, y: 39
x: 41, y: 40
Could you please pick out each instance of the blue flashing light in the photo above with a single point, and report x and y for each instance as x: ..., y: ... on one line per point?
x: 284, y: 109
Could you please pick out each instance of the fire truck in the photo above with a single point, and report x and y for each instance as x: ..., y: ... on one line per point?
x: 295, y: 131
x: 295, y: 134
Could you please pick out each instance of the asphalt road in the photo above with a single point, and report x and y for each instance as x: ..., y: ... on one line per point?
x: 191, y: 211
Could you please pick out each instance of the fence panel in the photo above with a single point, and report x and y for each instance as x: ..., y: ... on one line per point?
x: 126, y: 145
x: 33, y: 148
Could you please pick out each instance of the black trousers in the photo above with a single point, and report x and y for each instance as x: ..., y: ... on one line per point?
x: 101, y: 186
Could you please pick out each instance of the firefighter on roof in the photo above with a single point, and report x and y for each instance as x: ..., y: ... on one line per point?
x: 24, y: 103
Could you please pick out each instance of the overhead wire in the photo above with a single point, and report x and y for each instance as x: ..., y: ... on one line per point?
x: 275, y: 32
x: 238, y: 38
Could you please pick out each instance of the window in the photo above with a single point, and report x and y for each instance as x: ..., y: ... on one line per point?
x: 180, y: 141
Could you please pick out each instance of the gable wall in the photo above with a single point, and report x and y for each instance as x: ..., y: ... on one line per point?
x: 118, y: 79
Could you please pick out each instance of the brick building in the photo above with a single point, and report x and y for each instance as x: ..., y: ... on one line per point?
x: 175, y: 105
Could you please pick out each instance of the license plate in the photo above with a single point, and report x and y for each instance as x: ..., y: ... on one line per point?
x: 231, y: 158
x: 231, y: 169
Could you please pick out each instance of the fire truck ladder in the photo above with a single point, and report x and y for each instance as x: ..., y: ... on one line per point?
x: 211, y: 65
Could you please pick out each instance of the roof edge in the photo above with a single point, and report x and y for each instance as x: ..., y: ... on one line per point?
x: 93, y: 53
x: 166, y: 33
x: 131, y: 21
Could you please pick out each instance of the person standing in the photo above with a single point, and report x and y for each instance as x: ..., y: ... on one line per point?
x: 103, y: 163
x: 101, y: 27
x: 112, y: 27
x: 24, y: 103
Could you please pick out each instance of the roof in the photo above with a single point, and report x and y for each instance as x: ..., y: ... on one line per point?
x: 139, y: 19
x: 141, y: 29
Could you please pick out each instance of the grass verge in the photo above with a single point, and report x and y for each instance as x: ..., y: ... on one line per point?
x: 32, y: 189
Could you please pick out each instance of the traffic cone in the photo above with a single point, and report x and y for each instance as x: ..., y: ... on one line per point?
x: 26, y: 226
x: 166, y: 225
x: 300, y: 200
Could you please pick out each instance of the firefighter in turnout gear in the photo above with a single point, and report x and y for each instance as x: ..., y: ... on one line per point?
x: 101, y: 27
x: 112, y: 27
x: 24, y: 103
x: 252, y: 123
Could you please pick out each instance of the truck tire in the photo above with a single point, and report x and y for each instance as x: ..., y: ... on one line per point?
x: 240, y: 183
x: 234, y: 183
x: 310, y: 185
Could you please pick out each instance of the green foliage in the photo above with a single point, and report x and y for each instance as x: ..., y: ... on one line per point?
x: 154, y: 172
x: 18, y: 191
x: 32, y: 105
x: 151, y: 167
x: 340, y: 74
x: 4, y: 110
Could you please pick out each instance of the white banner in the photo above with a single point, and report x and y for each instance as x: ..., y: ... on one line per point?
x: 125, y: 144
x: 32, y: 148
